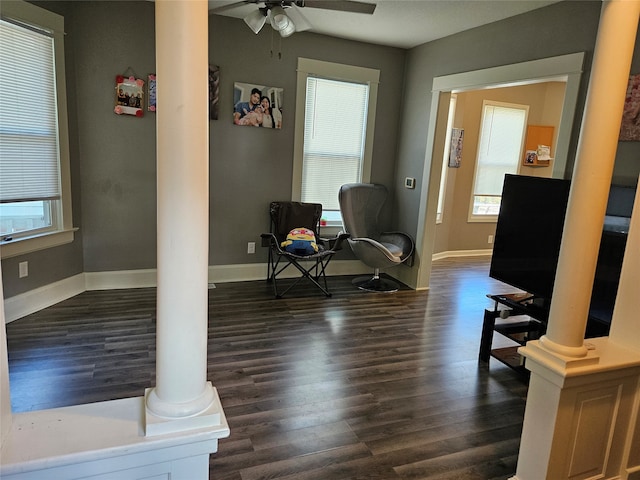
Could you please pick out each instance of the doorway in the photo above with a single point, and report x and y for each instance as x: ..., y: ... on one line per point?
x: 565, y: 68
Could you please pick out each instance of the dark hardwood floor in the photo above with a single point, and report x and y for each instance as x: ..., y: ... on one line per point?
x: 357, y: 386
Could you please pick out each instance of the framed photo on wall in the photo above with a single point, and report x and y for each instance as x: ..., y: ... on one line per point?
x: 129, y: 96
x: 257, y: 105
x: 214, y: 91
x: 455, y: 152
x: 630, y: 126
x: 151, y: 86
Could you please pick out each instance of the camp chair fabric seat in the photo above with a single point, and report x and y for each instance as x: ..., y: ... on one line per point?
x: 286, y: 216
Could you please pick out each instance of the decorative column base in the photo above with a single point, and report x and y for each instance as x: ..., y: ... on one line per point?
x: 205, y: 418
x: 581, y: 419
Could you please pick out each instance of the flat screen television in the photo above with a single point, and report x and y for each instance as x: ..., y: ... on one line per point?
x: 528, y: 234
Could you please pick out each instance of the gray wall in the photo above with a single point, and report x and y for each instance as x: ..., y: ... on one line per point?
x: 562, y: 28
x: 58, y: 263
x: 251, y: 166
x: 113, y: 157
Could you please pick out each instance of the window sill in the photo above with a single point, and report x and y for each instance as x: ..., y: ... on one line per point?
x: 483, y: 219
x: 330, y: 231
x: 21, y: 246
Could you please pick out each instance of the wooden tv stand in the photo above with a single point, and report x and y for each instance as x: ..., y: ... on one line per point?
x: 527, y: 320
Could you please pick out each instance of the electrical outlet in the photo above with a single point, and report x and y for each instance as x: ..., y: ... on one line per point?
x: 251, y: 247
x: 490, y: 239
x: 23, y: 269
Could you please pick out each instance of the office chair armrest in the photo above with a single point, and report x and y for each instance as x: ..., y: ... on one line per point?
x: 371, y: 251
x: 334, y: 243
x: 368, y: 241
x: 404, y: 241
x: 399, y: 238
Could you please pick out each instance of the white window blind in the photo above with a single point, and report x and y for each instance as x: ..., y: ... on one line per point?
x: 334, y: 137
x: 499, y: 151
x: 29, y: 158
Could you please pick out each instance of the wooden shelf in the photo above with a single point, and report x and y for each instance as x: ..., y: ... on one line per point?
x: 519, y: 327
x: 510, y: 357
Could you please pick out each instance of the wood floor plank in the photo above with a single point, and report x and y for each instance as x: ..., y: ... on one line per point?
x: 356, y: 386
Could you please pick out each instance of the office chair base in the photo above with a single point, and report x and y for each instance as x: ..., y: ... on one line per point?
x: 375, y: 284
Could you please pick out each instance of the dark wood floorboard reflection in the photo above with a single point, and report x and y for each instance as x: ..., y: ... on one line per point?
x: 356, y: 386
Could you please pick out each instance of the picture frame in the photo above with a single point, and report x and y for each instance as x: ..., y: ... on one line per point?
x: 630, y: 125
x: 214, y: 91
x: 455, y: 150
x: 151, y: 91
x: 129, y: 96
x: 257, y: 105
x: 530, y: 157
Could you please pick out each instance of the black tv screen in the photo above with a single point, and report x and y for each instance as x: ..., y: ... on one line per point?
x: 529, y: 232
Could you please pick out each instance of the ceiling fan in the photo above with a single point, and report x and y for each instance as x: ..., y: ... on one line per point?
x: 281, y: 13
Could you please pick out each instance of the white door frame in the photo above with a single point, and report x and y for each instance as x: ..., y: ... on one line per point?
x: 566, y: 68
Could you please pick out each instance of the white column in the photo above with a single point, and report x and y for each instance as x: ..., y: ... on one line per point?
x: 183, y: 210
x: 624, y: 324
x: 582, y: 405
x: 591, y: 178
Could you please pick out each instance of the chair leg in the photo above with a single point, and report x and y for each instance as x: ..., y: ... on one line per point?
x: 375, y: 283
x: 311, y: 274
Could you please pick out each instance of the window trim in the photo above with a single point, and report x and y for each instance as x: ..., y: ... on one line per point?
x: 444, y: 174
x: 471, y: 217
x: 335, y: 71
x: 64, y: 231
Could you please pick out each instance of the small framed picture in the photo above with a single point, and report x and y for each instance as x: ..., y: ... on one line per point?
x: 455, y: 152
x: 129, y: 96
x: 151, y: 87
x: 530, y: 157
x: 214, y: 91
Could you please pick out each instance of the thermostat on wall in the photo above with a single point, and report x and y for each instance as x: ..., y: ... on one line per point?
x: 410, y: 182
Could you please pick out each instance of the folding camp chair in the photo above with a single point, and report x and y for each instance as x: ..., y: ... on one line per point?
x: 287, y: 216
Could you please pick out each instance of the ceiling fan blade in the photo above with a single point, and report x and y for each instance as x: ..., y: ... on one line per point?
x: 339, y: 5
x: 299, y: 20
x: 230, y: 6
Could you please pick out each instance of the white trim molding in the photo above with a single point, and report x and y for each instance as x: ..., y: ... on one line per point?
x: 143, y: 278
x: 34, y: 300
x: 461, y: 253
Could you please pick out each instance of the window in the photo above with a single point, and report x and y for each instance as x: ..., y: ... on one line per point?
x: 35, y: 208
x: 501, y: 140
x: 334, y: 125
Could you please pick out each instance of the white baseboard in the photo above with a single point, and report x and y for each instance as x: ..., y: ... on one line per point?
x: 142, y: 278
x: 29, y: 302
x: 43, y: 297
x: 258, y: 271
x: 461, y: 253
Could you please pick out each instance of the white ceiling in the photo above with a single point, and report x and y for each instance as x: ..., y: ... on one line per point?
x: 396, y: 23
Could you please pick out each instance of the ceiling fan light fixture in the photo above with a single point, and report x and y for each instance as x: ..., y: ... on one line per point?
x: 289, y: 30
x: 279, y: 19
x: 255, y: 20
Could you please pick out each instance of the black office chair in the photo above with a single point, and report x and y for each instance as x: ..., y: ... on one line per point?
x: 360, y: 205
x: 285, y: 217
